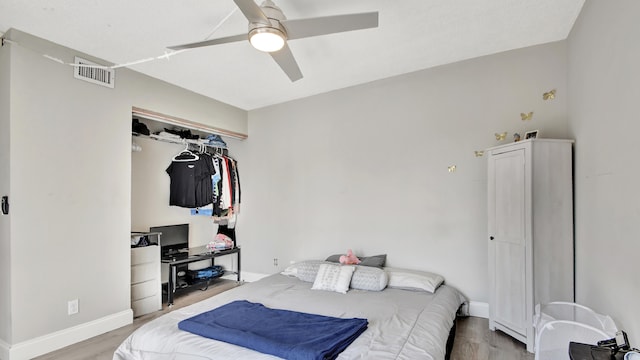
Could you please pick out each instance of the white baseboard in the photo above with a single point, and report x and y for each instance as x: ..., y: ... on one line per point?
x: 251, y: 276
x: 4, y: 350
x: 479, y: 309
x: 44, y: 344
x: 246, y: 276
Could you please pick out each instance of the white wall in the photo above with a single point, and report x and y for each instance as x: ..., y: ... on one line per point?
x: 604, y: 89
x: 367, y: 167
x: 66, y: 199
x: 70, y: 172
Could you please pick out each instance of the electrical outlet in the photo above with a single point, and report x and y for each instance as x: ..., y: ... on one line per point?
x: 72, y: 307
x: 275, y: 262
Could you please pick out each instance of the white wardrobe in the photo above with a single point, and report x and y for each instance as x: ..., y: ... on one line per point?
x: 530, y: 232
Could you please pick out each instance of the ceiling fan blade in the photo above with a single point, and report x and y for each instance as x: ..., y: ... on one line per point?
x: 286, y: 61
x: 252, y: 11
x: 223, y: 40
x: 303, y: 28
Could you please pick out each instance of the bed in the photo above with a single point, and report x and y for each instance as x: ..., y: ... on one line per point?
x: 405, y: 319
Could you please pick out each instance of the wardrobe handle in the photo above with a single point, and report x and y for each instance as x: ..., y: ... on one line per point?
x: 491, y: 237
x: 5, y: 205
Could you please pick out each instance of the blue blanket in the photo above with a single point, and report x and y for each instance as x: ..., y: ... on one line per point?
x: 283, y: 333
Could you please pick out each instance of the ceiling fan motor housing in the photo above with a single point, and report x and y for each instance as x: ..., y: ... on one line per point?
x: 275, y: 16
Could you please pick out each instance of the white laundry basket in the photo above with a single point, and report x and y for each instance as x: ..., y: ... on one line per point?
x: 559, y: 323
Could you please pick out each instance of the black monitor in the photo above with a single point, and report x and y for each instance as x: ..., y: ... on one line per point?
x: 173, y: 239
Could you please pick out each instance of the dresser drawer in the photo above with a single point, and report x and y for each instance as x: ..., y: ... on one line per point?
x: 145, y: 272
x: 145, y: 254
x: 145, y: 289
x: 146, y: 305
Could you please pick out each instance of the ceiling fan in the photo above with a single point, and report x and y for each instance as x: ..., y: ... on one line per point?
x: 269, y: 31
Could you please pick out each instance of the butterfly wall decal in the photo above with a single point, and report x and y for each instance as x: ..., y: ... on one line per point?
x: 479, y: 153
x: 528, y: 116
x: 501, y: 136
x: 550, y: 95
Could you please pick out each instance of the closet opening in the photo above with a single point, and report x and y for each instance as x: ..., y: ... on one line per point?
x: 157, y: 140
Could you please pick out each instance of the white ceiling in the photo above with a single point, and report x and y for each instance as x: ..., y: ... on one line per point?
x: 412, y: 35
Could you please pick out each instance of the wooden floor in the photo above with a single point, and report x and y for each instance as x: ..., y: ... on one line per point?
x: 474, y: 340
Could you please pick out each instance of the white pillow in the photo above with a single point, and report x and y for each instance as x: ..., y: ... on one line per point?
x: 333, y: 278
x: 413, y: 279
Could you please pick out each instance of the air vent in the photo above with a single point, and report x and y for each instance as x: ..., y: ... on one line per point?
x: 94, y: 73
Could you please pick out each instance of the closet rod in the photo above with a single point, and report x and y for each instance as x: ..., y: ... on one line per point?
x: 216, y: 149
x: 172, y: 120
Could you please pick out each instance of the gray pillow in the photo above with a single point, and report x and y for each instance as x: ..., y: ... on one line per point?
x: 369, y: 278
x: 375, y: 261
x: 304, y: 270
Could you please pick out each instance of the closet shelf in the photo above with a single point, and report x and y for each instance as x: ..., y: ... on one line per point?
x: 194, y: 142
x: 184, y: 123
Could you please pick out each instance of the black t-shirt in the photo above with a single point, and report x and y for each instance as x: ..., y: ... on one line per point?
x: 190, y: 185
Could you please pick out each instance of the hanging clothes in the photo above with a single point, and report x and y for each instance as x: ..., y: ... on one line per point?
x: 215, y: 180
x: 204, y: 188
x: 227, y: 188
x: 214, y: 207
x: 190, y: 180
x: 237, y: 192
x: 226, y: 202
x: 225, y: 194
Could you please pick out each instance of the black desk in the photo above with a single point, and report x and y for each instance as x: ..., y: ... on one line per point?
x: 193, y: 255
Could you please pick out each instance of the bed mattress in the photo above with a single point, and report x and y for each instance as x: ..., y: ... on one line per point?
x: 403, y: 324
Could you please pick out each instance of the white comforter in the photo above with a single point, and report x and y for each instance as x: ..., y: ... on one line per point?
x: 403, y: 324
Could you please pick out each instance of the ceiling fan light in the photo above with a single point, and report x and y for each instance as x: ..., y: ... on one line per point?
x: 267, y: 39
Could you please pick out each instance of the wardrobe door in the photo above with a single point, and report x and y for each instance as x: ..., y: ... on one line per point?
x: 507, y: 247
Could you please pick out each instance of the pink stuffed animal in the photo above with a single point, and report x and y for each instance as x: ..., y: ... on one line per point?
x: 349, y: 259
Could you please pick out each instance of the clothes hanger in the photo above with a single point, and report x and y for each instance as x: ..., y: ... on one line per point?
x: 186, y: 155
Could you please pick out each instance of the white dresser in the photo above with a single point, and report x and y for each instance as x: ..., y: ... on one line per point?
x: 146, y: 289
x: 530, y: 227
